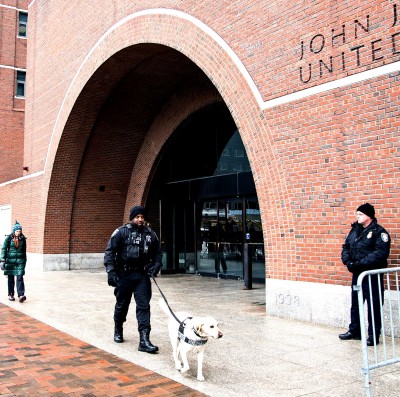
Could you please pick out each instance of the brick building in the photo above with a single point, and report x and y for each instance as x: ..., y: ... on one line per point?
x: 136, y: 102
x: 13, y: 40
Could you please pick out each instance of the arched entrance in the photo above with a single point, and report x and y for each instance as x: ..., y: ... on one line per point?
x: 205, y: 194
x: 111, y: 153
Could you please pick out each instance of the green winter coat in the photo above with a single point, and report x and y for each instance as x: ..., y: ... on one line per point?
x: 15, y: 257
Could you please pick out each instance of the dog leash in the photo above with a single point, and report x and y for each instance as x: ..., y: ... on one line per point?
x: 165, y: 299
x: 181, y: 323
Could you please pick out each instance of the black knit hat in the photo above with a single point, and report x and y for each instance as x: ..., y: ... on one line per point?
x: 135, y: 211
x: 367, y: 209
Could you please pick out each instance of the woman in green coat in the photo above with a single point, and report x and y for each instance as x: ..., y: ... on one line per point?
x: 13, y: 258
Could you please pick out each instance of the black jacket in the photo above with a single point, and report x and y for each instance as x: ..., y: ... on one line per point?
x: 131, y: 247
x: 367, y: 248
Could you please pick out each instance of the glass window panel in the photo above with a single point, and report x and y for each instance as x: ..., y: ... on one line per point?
x: 239, y: 153
x: 226, y: 152
x: 22, y: 24
x: 20, y: 84
x: 238, y: 161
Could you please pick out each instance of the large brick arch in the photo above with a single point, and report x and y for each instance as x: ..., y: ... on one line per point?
x: 83, y: 139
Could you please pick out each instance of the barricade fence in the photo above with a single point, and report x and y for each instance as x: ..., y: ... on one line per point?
x: 387, y: 352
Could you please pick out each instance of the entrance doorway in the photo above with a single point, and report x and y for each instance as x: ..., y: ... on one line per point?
x: 218, y: 237
x: 204, y: 192
x: 227, y: 228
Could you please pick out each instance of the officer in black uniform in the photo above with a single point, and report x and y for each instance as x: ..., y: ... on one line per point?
x: 367, y: 247
x: 133, y: 254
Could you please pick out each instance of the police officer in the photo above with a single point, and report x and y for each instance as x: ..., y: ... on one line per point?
x: 367, y: 247
x: 132, y: 256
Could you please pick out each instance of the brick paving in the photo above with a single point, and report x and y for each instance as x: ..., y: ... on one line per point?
x: 38, y: 360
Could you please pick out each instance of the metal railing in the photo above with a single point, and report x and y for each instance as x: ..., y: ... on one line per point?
x: 388, y: 352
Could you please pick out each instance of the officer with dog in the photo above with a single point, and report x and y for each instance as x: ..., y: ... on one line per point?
x: 132, y: 256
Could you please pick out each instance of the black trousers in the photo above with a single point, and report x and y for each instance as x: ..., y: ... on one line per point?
x: 138, y: 284
x: 373, y: 299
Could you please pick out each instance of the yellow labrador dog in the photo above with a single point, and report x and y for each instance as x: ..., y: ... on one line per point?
x: 189, y: 334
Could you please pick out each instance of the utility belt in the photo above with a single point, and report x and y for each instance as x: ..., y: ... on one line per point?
x: 133, y: 267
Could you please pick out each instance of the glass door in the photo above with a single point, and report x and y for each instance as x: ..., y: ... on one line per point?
x: 209, y: 238
x: 177, y: 237
x: 255, y: 238
x: 220, y: 239
x: 224, y: 228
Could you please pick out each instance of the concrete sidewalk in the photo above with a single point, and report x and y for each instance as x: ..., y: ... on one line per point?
x: 257, y: 356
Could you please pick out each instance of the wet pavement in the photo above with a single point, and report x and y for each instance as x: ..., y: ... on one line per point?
x: 59, y: 342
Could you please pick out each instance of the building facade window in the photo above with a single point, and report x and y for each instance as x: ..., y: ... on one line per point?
x: 233, y: 157
x: 238, y: 167
x: 239, y: 153
x: 22, y: 24
x: 226, y: 152
x: 20, y: 84
x: 223, y: 166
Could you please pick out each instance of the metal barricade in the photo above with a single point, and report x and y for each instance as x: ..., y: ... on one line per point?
x: 388, y: 351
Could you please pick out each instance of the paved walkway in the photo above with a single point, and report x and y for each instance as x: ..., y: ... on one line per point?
x: 59, y: 343
x: 38, y: 360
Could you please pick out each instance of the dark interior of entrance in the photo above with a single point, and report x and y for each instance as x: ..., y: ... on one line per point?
x: 204, y: 191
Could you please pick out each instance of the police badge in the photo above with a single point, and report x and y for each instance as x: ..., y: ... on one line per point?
x: 384, y: 237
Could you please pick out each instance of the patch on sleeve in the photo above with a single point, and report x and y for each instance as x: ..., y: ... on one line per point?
x: 384, y: 237
x: 115, y: 232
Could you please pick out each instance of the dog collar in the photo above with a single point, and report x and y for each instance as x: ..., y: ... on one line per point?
x: 185, y: 339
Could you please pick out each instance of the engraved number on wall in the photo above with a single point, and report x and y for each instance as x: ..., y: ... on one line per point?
x: 287, y: 299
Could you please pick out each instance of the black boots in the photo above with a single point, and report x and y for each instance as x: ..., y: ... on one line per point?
x: 349, y: 335
x: 371, y: 341
x: 118, y: 333
x: 145, y: 345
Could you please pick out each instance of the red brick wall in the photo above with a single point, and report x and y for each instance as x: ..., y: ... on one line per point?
x: 12, y: 56
x: 314, y: 159
x: 339, y: 150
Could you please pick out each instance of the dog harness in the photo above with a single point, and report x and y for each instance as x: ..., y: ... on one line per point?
x: 185, y: 339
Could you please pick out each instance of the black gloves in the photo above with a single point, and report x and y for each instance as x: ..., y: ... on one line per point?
x: 153, y: 269
x: 352, y: 266
x: 112, y: 278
